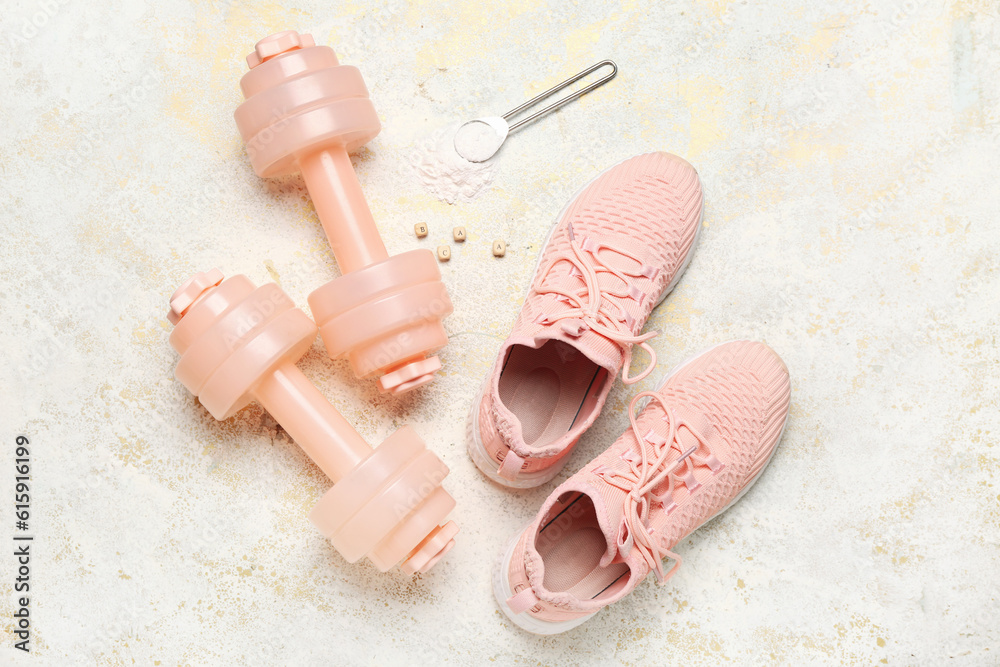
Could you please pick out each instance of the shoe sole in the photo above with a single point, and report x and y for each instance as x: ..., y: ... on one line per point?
x: 501, y: 585
x: 474, y: 445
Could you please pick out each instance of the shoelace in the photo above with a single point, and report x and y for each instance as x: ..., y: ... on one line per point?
x: 649, y: 472
x: 592, y: 307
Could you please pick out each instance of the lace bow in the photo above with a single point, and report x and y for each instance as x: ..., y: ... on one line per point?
x: 647, y: 472
x: 591, y: 308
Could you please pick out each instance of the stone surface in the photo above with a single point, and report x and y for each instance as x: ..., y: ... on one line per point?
x: 849, y: 154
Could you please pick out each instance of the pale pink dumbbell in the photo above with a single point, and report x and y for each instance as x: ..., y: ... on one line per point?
x: 239, y: 343
x: 304, y: 111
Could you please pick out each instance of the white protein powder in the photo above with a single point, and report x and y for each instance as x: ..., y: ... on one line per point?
x: 477, y: 141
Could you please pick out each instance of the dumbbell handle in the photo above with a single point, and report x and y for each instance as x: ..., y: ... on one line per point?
x: 342, y: 209
x: 322, y: 433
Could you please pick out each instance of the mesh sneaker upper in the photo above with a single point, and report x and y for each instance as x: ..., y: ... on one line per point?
x: 737, y: 394
x: 641, y: 217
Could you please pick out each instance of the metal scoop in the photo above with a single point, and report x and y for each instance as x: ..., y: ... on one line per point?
x: 478, y: 140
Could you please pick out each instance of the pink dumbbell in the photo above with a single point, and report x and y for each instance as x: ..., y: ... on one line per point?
x: 239, y: 343
x: 304, y: 111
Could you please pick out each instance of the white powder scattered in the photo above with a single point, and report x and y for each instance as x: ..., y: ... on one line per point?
x: 477, y: 141
x: 446, y: 174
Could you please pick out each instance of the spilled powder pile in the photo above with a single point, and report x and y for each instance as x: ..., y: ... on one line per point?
x: 446, y: 174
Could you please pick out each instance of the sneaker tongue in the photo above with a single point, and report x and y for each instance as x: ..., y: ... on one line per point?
x: 609, y: 500
x: 608, y: 519
x: 608, y: 507
x: 577, y: 335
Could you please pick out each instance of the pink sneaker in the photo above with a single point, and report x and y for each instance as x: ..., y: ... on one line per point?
x: 705, y: 435
x: 614, y: 253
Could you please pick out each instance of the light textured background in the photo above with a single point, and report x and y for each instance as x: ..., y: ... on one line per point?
x: 850, y: 157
